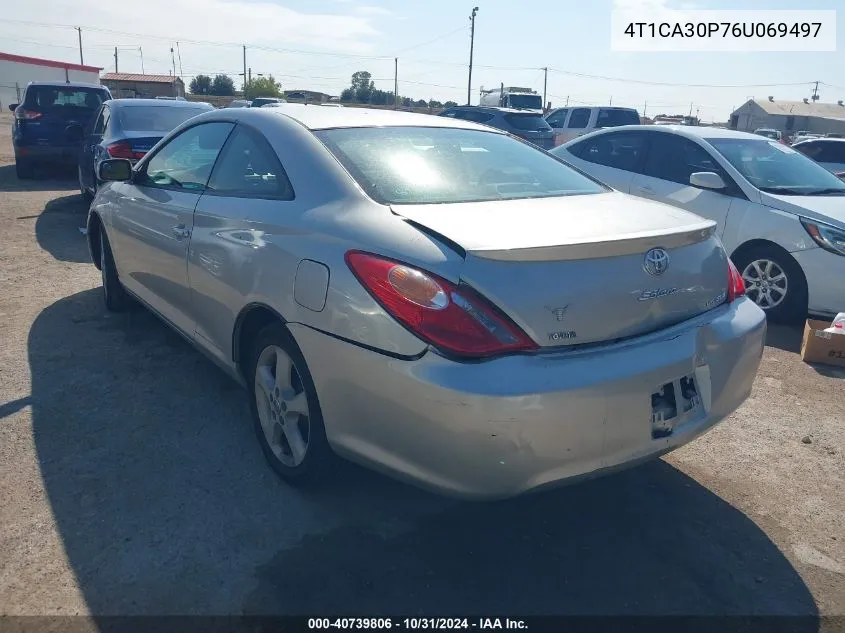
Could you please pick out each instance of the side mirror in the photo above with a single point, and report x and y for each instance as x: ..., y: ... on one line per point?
x: 74, y: 133
x: 706, y: 180
x: 13, y: 106
x: 115, y: 169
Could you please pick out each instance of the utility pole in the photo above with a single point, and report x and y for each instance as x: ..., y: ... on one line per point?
x: 645, y: 105
x: 690, y: 109
x: 179, y: 53
x: 141, y: 50
x: 611, y: 100
x: 567, y: 101
x: 115, y: 59
x: 471, y: 46
x: 545, y: 83
x: 245, y: 84
x: 395, y: 82
x: 79, y: 32
x: 815, y: 96
x: 173, y: 60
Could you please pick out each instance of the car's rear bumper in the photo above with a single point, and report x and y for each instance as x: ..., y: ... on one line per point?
x: 824, y: 272
x: 505, y: 426
x: 68, y: 155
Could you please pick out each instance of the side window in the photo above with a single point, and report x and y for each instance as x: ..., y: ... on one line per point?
x: 98, y: 126
x: 623, y: 150
x: 579, y: 118
x: 479, y: 117
x: 811, y: 150
x: 558, y: 118
x: 106, y: 119
x: 831, y: 152
x: 674, y: 158
x: 249, y: 167
x: 186, y: 161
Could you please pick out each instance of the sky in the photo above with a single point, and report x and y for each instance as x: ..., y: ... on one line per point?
x: 318, y: 44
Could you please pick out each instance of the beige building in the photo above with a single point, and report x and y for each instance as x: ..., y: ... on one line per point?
x: 789, y: 116
x: 131, y: 85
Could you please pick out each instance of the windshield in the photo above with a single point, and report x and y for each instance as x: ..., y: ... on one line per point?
x: 154, y: 118
x: 528, y: 122
x: 57, y: 98
x: 418, y: 165
x: 525, y: 102
x: 776, y: 168
x: 614, y: 117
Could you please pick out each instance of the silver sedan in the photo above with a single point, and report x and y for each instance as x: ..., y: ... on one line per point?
x: 429, y: 297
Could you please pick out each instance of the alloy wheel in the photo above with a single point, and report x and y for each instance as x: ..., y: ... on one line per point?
x: 766, y: 283
x: 282, y: 406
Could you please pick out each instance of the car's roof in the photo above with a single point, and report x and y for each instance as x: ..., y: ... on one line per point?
x: 822, y: 139
x: 167, y: 103
x: 316, y: 118
x: 690, y: 131
x: 64, y: 84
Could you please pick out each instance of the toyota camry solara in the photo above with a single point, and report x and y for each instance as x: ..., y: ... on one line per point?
x: 429, y: 297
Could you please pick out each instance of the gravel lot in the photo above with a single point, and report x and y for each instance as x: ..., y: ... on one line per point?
x: 131, y: 484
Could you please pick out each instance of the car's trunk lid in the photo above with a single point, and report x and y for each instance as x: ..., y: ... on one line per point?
x: 572, y: 270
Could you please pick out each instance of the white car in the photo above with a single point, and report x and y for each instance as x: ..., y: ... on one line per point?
x: 570, y: 123
x: 780, y: 215
x: 827, y: 152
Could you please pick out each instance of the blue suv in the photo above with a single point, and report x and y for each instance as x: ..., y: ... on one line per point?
x: 48, y: 123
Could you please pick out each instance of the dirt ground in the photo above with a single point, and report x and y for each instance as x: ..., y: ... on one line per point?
x: 131, y: 484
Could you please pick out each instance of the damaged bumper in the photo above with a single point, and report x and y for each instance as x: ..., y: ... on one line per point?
x: 505, y: 426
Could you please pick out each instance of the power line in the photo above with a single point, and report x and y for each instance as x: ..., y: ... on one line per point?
x: 431, y: 41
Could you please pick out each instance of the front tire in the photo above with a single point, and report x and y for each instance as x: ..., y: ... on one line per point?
x: 285, y: 409
x: 775, y: 282
x: 114, y: 296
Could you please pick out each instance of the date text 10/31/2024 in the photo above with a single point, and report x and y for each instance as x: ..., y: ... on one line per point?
x: 481, y: 624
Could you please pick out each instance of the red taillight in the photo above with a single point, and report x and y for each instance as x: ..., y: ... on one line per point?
x: 452, y: 317
x: 27, y: 115
x: 736, y: 286
x: 122, y: 149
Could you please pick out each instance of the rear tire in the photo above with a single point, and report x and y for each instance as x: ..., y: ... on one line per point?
x: 114, y: 296
x: 24, y: 169
x: 775, y: 282
x: 285, y: 410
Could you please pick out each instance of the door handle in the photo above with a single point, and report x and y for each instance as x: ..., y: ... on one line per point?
x: 180, y: 232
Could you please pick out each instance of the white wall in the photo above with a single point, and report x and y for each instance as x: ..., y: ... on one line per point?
x: 22, y: 74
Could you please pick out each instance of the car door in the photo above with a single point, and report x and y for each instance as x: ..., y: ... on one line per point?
x: 556, y: 121
x: 92, y: 135
x: 248, y: 191
x: 830, y: 154
x: 613, y: 158
x: 669, y: 162
x: 152, y: 219
x: 577, y: 124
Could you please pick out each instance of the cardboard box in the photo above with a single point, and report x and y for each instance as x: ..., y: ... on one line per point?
x: 819, y: 346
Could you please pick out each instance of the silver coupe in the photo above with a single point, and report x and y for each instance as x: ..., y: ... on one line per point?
x: 427, y: 296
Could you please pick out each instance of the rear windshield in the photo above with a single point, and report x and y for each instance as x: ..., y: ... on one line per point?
x: 55, y: 98
x: 614, y: 117
x: 532, y: 122
x: 155, y: 118
x: 418, y: 165
x: 525, y: 102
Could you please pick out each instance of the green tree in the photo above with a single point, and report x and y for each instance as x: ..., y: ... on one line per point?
x: 450, y: 104
x: 262, y: 87
x: 421, y: 103
x: 363, y: 85
x: 434, y: 103
x: 347, y: 95
x: 222, y: 86
x: 200, y: 85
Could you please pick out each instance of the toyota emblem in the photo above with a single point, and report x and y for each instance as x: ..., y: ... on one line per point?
x: 656, y: 262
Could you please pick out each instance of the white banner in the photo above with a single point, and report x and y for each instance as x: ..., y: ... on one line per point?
x: 675, y: 30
